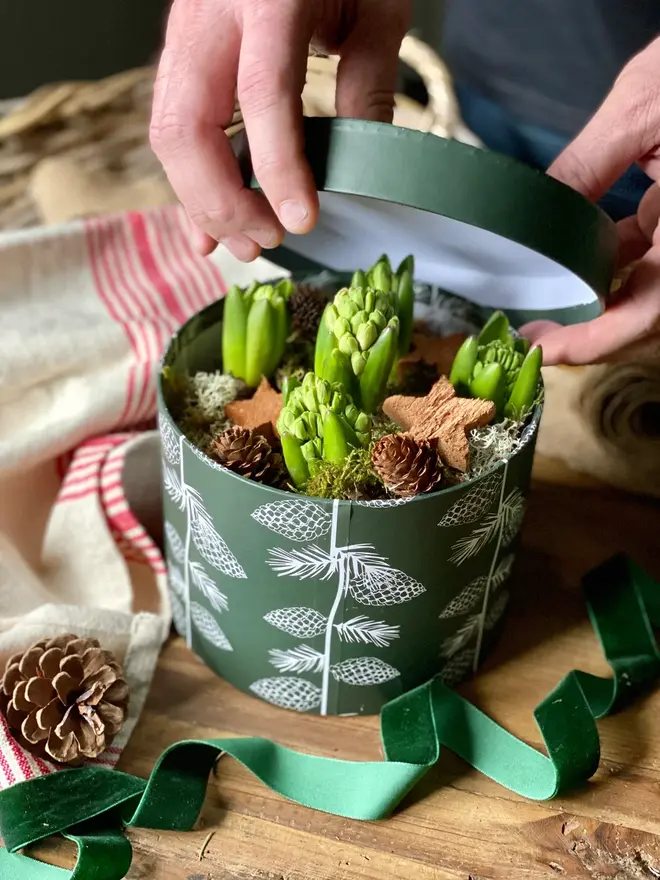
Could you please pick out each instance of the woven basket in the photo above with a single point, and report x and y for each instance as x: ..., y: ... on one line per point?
x: 440, y: 116
x: 73, y: 149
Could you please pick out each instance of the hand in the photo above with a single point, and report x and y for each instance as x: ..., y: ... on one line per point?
x: 625, y: 130
x: 259, y: 48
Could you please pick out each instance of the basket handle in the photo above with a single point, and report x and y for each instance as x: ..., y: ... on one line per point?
x: 442, y: 111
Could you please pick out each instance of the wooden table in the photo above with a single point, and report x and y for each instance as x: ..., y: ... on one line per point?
x: 457, y: 824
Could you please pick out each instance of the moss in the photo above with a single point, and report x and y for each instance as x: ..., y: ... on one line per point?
x: 354, y: 479
x: 492, y: 444
x: 381, y: 426
x: 298, y: 361
x: 199, y: 402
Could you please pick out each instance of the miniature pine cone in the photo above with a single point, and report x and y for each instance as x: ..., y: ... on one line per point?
x: 64, y: 698
x: 406, y: 466
x: 307, y: 305
x: 249, y: 454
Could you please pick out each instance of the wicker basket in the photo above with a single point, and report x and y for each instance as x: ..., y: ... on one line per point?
x: 73, y: 149
x: 440, y: 116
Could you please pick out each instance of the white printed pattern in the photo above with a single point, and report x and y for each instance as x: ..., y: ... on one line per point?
x: 175, y: 544
x: 288, y: 693
x: 206, y: 626
x: 301, y: 622
x: 472, y: 505
x: 474, y: 593
x: 369, y: 632
x: 200, y: 532
x: 169, y: 441
x: 473, y: 626
x: 363, y: 671
x: 300, y: 659
x: 502, y: 526
x: 361, y: 573
x: 296, y: 520
x: 384, y: 503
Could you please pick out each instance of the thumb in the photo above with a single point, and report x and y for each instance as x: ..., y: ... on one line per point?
x: 622, y: 131
x: 368, y: 68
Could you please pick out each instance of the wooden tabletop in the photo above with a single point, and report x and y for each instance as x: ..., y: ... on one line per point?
x: 456, y: 824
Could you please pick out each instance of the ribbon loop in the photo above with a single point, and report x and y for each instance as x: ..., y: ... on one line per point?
x: 623, y: 603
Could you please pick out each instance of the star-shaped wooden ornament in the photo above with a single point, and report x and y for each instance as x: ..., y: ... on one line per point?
x: 260, y: 413
x: 443, y: 418
x: 438, y: 351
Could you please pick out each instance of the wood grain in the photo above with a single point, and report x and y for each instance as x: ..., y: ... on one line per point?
x: 457, y: 824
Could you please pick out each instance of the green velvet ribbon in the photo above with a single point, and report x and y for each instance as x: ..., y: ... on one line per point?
x: 92, y: 805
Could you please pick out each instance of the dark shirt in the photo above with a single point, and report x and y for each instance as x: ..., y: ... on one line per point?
x: 548, y: 62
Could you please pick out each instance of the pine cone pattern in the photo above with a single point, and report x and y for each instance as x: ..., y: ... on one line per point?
x: 406, y: 466
x: 307, y: 305
x: 288, y: 693
x: 476, y: 503
x: 64, y: 698
x: 301, y: 622
x: 249, y: 454
x: 363, y: 671
x: 457, y: 669
x: 296, y: 520
x: 385, y: 591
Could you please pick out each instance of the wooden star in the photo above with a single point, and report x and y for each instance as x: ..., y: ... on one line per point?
x: 438, y: 351
x: 443, y: 418
x: 260, y: 413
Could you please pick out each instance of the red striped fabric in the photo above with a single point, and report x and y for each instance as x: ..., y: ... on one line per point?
x: 94, y: 473
x: 83, y: 476
x: 149, y: 281
x: 131, y: 537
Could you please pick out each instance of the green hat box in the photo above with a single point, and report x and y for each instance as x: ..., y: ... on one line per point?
x: 337, y: 607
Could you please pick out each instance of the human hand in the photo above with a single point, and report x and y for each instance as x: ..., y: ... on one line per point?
x: 625, y: 130
x: 259, y: 48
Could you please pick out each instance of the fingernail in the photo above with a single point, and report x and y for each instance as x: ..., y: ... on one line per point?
x: 266, y: 238
x: 293, y: 215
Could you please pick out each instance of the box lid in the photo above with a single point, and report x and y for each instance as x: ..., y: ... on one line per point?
x: 480, y: 225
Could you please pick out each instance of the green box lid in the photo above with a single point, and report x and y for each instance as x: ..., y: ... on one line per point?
x: 481, y: 225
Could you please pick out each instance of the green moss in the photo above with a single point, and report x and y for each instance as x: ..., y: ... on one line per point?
x: 381, y: 426
x: 297, y: 362
x: 354, y: 479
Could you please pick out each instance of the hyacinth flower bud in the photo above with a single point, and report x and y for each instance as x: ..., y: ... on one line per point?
x: 319, y: 422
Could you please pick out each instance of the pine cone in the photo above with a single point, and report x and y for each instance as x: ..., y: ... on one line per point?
x: 249, y: 454
x: 307, y: 305
x: 64, y: 698
x: 407, y: 467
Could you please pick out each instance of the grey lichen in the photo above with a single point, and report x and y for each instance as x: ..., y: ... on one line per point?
x: 201, y: 410
x: 491, y: 445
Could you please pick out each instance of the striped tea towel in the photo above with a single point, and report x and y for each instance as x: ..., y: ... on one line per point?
x: 86, y: 310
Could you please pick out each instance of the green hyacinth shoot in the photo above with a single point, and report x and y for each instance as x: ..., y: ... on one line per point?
x: 357, y: 347
x: 498, y: 366
x: 400, y: 285
x: 256, y: 326
x: 366, y: 329
x: 319, y: 422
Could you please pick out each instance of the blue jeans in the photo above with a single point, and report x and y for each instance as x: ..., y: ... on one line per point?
x: 538, y: 146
